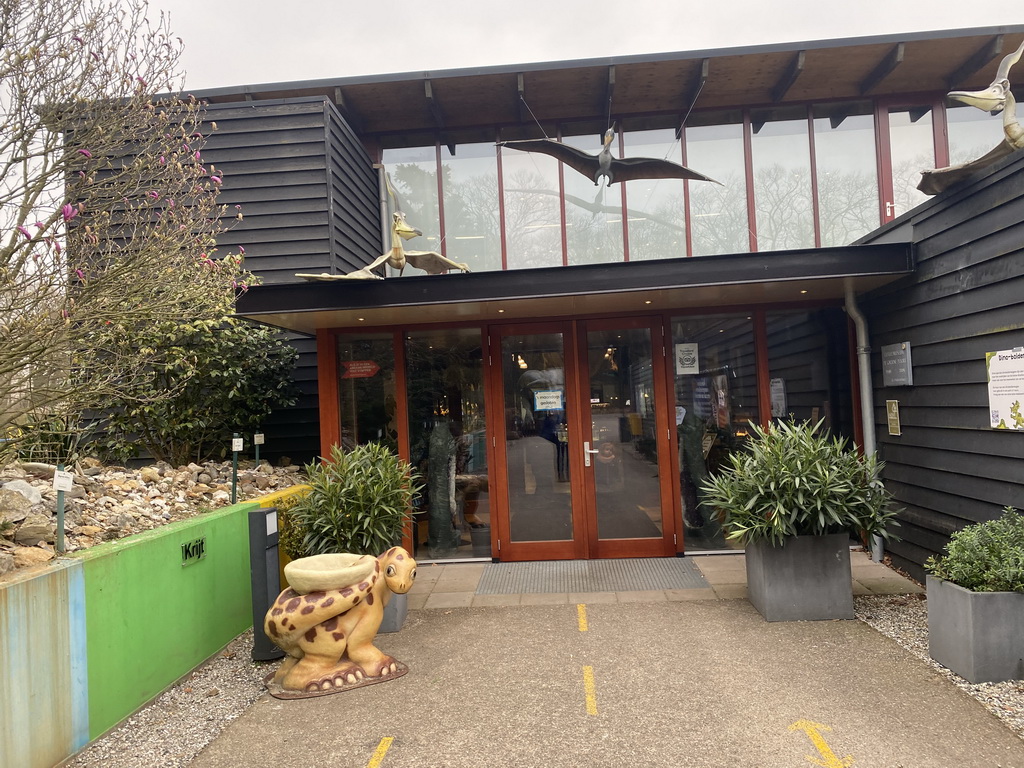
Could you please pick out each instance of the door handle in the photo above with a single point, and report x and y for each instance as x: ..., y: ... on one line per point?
x: 587, y: 450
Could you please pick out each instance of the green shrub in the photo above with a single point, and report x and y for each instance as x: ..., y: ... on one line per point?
x: 985, y: 557
x: 794, y: 480
x: 359, y: 502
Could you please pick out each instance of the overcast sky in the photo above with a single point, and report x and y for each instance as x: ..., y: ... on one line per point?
x: 233, y: 42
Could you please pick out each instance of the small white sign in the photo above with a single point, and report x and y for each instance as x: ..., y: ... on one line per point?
x: 62, y: 481
x: 236, y: 444
x: 548, y: 400
x: 271, y: 523
x: 687, y: 358
x: 257, y: 439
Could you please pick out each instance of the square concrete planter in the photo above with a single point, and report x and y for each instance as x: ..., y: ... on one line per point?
x: 807, y: 579
x: 978, y: 635
x: 394, y: 613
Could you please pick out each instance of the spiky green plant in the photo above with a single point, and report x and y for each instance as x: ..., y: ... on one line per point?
x: 795, y: 480
x: 985, y: 557
x: 358, y: 502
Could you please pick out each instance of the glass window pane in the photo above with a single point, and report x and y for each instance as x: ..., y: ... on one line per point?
x: 972, y: 133
x: 533, y: 217
x: 470, y: 181
x: 781, y: 158
x: 593, y: 213
x: 536, y: 437
x: 913, y: 151
x: 716, y: 402
x: 448, y: 443
x: 844, y: 150
x: 366, y: 389
x: 656, y: 212
x: 718, y: 214
x: 809, y: 367
x: 626, y: 481
x: 413, y: 174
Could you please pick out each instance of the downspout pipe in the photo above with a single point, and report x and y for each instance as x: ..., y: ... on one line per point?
x: 867, y: 400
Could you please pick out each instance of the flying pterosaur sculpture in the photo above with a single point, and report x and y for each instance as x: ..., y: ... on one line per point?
x: 431, y: 262
x: 997, y: 97
x: 604, y: 164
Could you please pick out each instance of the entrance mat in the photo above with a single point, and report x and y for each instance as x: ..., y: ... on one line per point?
x: 591, y: 576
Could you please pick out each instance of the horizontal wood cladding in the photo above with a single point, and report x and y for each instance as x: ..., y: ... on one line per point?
x: 304, y: 185
x: 948, y: 468
x: 295, y: 432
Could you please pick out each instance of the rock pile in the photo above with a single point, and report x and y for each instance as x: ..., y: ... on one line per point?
x: 109, y: 503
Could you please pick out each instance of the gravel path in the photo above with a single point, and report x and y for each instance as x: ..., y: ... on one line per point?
x: 176, y: 726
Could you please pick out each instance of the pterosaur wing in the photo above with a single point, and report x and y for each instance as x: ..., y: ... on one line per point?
x: 432, y: 262
x: 366, y: 273
x: 630, y: 168
x: 576, y: 159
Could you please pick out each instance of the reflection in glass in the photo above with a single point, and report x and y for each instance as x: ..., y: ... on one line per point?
x: 593, y: 214
x: 413, y: 174
x: 716, y: 402
x: 844, y: 150
x: 448, y: 443
x: 809, y: 368
x: 536, y: 437
x: 910, y: 137
x: 471, y: 223
x: 718, y: 214
x: 366, y: 389
x: 656, y: 212
x: 782, y: 180
x: 533, y: 218
x: 972, y: 133
x: 626, y: 482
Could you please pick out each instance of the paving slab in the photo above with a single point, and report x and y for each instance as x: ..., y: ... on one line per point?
x: 702, y: 684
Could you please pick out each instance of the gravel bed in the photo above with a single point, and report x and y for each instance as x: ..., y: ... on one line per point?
x: 904, y: 618
x: 172, y: 730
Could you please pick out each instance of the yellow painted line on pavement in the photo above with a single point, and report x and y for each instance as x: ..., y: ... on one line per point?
x: 829, y: 759
x: 382, y: 749
x: 581, y: 613
x: 591, y: 691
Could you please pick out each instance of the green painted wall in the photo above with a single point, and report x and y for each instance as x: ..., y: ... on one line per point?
x: 151, y: 620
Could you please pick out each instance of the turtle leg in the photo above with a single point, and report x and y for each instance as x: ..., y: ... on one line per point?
x: 321, y: 666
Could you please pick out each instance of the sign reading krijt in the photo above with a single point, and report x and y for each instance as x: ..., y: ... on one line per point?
x: 359, y: 369
x: 1006, y: 388
x: 193, y: 551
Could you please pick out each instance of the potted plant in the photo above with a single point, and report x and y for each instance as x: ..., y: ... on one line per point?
x: 976, y: 601
x: 793, y: 499
x: 359, y: 501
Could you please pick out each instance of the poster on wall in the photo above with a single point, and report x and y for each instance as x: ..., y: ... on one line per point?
x: 548, y: 400
x: 1006, y: 388
x: 687, y: 358
x: 777, y: 388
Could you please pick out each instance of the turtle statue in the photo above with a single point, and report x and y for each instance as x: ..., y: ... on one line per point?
x: 327, y: 619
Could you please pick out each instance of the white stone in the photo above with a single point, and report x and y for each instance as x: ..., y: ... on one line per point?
x: 26, y: 489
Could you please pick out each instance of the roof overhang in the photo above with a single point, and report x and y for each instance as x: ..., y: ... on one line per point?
x: 736, y: 280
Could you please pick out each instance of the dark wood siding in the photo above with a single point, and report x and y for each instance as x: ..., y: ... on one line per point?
x: 966, y: 298
x: 308, y: 194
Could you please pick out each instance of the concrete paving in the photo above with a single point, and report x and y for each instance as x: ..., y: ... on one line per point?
x: 656, y: 678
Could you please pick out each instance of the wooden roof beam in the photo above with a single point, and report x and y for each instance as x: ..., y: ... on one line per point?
x: 978, y: 60
x: 524, y: 111
x: 350, y: 115
x: 690, y: 95
x: 789, y: 77
x: 610, y: 93
x: 437, y: 114
x: 883, y: 69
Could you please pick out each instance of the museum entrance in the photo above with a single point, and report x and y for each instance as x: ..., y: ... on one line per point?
x: 581, y: 440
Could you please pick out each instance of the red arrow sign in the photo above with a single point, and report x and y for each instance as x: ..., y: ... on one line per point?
x: 359, y: 369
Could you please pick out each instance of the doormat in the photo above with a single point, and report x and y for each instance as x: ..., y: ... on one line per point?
x: 591, y: 576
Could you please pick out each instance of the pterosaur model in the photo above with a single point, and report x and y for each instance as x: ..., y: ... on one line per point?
x: 996, y: 98
x: 431, y: 262
x: 603, y: 164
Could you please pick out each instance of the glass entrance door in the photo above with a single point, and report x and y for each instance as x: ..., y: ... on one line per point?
x: 582, y: 441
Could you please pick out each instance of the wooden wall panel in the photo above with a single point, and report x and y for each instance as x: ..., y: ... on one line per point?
x: 948, y: 468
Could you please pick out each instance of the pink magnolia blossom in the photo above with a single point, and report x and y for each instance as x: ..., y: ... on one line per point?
x: 78, y: 40
x: 68, y: 211
x: 141, y: 82
x: 241, y: 250
x: 25, y: 232
x: 197, y: 156
x: 163, y: 160
x: 85, y: 152
x: 216, y: 179
x: 80, y: 273
x: 153, y: 195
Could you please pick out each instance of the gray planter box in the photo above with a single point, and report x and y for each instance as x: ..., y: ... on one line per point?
x: 978, y: 635
x: 807, y: 579
x: 394, y: 613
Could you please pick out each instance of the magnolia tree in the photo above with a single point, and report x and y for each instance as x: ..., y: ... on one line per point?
x: 109, y: 215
